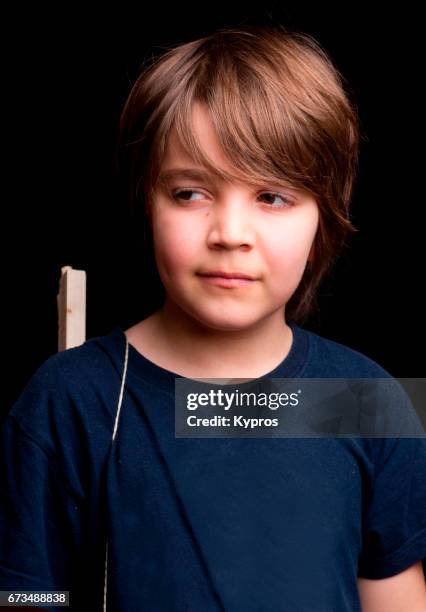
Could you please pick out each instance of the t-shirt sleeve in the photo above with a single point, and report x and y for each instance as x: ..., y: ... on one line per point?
x: 40, y: 522
x: 394, y: 528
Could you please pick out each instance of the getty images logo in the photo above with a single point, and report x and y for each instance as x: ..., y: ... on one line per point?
x: 228, y: 400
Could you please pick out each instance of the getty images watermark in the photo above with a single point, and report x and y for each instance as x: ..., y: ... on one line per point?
x: 300, y: 407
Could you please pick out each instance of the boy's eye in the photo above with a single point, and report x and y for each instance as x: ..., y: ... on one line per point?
x: 179, y: 195
x: 269, y: 195
x: 287, y: 201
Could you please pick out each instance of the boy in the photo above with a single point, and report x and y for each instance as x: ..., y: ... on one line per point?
x: 255, y: 124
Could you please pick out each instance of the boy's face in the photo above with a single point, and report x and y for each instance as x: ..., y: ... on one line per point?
x: 230, y: 227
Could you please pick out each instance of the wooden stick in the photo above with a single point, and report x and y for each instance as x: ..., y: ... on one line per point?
x: 71, y: 303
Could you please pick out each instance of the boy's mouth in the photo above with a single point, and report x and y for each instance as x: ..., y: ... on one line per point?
x: 227, y: 280
x: 224, y: 274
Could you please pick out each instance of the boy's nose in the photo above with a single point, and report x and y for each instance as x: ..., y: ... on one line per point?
x: 230, y: 226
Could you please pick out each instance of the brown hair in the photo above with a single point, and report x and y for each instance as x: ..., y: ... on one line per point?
x: 280, y: 111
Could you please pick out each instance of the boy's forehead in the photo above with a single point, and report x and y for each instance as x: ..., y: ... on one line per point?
x: 205, y: 134
x: 175, y: 151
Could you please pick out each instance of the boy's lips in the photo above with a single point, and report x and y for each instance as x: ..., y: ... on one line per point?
x: 227, y: 279
x: 223, y: 274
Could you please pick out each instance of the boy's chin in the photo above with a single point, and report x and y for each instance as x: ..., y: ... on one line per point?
x: 226, y: 321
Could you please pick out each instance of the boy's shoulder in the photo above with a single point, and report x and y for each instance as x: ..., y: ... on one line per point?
x: 329, y: 358
x: 71, y: 388
x: 385, y: 398
x: 91, y: 364
x: 98, y: 360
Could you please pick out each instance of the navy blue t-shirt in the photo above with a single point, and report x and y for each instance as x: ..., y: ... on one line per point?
x: 253, y: 524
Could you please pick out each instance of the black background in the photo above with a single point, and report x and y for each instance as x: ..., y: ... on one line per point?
x: 67, y: 73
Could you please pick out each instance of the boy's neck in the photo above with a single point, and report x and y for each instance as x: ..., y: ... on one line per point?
x: 177, y: 343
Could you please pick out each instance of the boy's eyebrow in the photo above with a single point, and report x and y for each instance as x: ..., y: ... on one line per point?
x: 186, y: 173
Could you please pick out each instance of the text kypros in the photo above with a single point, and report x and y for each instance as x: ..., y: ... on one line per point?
x: 238, y: 421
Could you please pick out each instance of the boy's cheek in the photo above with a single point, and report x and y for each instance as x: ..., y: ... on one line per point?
x: 176, y: 259
x: 175, y: 244
x: 284, y: 272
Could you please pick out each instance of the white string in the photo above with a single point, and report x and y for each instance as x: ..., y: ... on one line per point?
x: 120, y: 399
x: 121, y: 390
